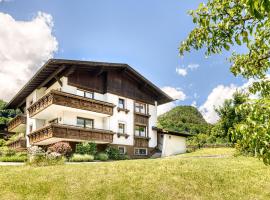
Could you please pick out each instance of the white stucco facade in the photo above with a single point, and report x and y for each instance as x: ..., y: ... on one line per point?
x: 172, y: 145
x: 68, y: 116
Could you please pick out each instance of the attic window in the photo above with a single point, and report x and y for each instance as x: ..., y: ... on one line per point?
x: 86, y: 94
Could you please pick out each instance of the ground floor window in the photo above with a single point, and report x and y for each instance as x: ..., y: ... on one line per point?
x: 140, y: 151
x: 122, y: 150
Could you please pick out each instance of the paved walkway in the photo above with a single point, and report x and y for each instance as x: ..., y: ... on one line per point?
x: 11, y: 163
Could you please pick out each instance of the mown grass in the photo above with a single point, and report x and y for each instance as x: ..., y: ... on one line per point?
x: 175, y: 178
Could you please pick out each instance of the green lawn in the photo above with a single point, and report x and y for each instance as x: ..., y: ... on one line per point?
x: 179, y: 177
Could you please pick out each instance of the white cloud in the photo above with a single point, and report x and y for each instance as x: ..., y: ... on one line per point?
x: 193, y: 66
x: 181, y: 71
x: 24, y: 47
x: 175, y: 93
x: 215, y: 99
x: 184, y: 70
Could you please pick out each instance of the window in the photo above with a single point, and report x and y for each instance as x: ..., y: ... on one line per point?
x: 121, y: 128
x: 85, y: 123
x: 122, y: 150
x: 140, y: 108
x: 121, y: 103
x: 140, y: 151
x: 140, y: 131
x: 86, y: 94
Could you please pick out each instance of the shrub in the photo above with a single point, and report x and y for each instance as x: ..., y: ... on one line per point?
x: 86, y: 148
x: 38, y: 157
x: 14, y: 158
x: 81, y: 158
x: 2, y: 142
x: 103, y: 156
x: 113, y: 153
x: 62, y: 148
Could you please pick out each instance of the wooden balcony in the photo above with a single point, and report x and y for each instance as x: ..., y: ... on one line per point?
x: 18, y: 144
x: 72, y: 101
x: 61, y: 132
x: 17, y: 124
x: 141, y: 141
x: 141, y: 120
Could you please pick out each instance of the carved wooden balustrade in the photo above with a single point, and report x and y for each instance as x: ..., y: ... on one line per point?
x: 16, y: 121
x: 18, y: 144
x: 70, y: 133
x: 70, y: 100
x: 141, y: 119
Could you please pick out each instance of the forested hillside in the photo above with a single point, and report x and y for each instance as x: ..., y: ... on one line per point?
x: 184, y: 118
x: 5, y: 114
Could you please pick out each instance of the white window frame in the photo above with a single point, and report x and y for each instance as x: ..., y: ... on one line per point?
x: 140, y: 132
x: 124, y: 105
x: 125, y: 151
x: 125, y: 128
x: 146, y: 152
x: 84, y: 93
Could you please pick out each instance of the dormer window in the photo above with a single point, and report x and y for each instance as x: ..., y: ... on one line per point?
x: 121, y: 103
x: 86, y: 94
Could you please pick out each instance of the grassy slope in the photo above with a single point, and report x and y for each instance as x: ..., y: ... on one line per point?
x: 170, y: 178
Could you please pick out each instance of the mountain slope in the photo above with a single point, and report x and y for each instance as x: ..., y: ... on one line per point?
x: 184, y: 118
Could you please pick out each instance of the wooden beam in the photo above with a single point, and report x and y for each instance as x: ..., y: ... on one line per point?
x: 70, y: 71
x: 58, y: 80
x: 47, y: 80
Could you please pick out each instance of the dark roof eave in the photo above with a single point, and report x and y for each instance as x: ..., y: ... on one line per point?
x: 176, y: 133
x: 51, y: 65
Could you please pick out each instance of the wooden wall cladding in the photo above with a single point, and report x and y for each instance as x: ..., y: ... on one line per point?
x: 140, y: 142
x: 88, y: 80
x: 115, y: 82
x: 121, y: 84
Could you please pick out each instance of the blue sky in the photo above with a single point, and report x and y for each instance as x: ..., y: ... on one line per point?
x: 144, y: 34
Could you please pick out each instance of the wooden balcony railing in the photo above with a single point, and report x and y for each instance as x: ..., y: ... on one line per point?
x: 16, y: 121
x: 18, y: 144
x: 70, y: 133
x: 70, y: 100
x: 141, y: 120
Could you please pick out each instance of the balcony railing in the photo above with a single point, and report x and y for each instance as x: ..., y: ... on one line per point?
x: 72, y: 101
x: 64, y: 132
x: 18, y: 144
x: 16, y: 121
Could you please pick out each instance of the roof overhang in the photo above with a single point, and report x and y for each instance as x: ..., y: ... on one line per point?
x: 169, y: 132
x: 56, y: 67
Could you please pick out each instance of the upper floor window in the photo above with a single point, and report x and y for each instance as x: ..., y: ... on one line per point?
x: 121, y: 103
x: 121, y: 128
x: 140, y: 108
x: 86, y: 94
x: 140, y: 131
x: 85, y: 123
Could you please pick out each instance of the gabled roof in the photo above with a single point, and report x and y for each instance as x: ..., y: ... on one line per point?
x: 55, y: 67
